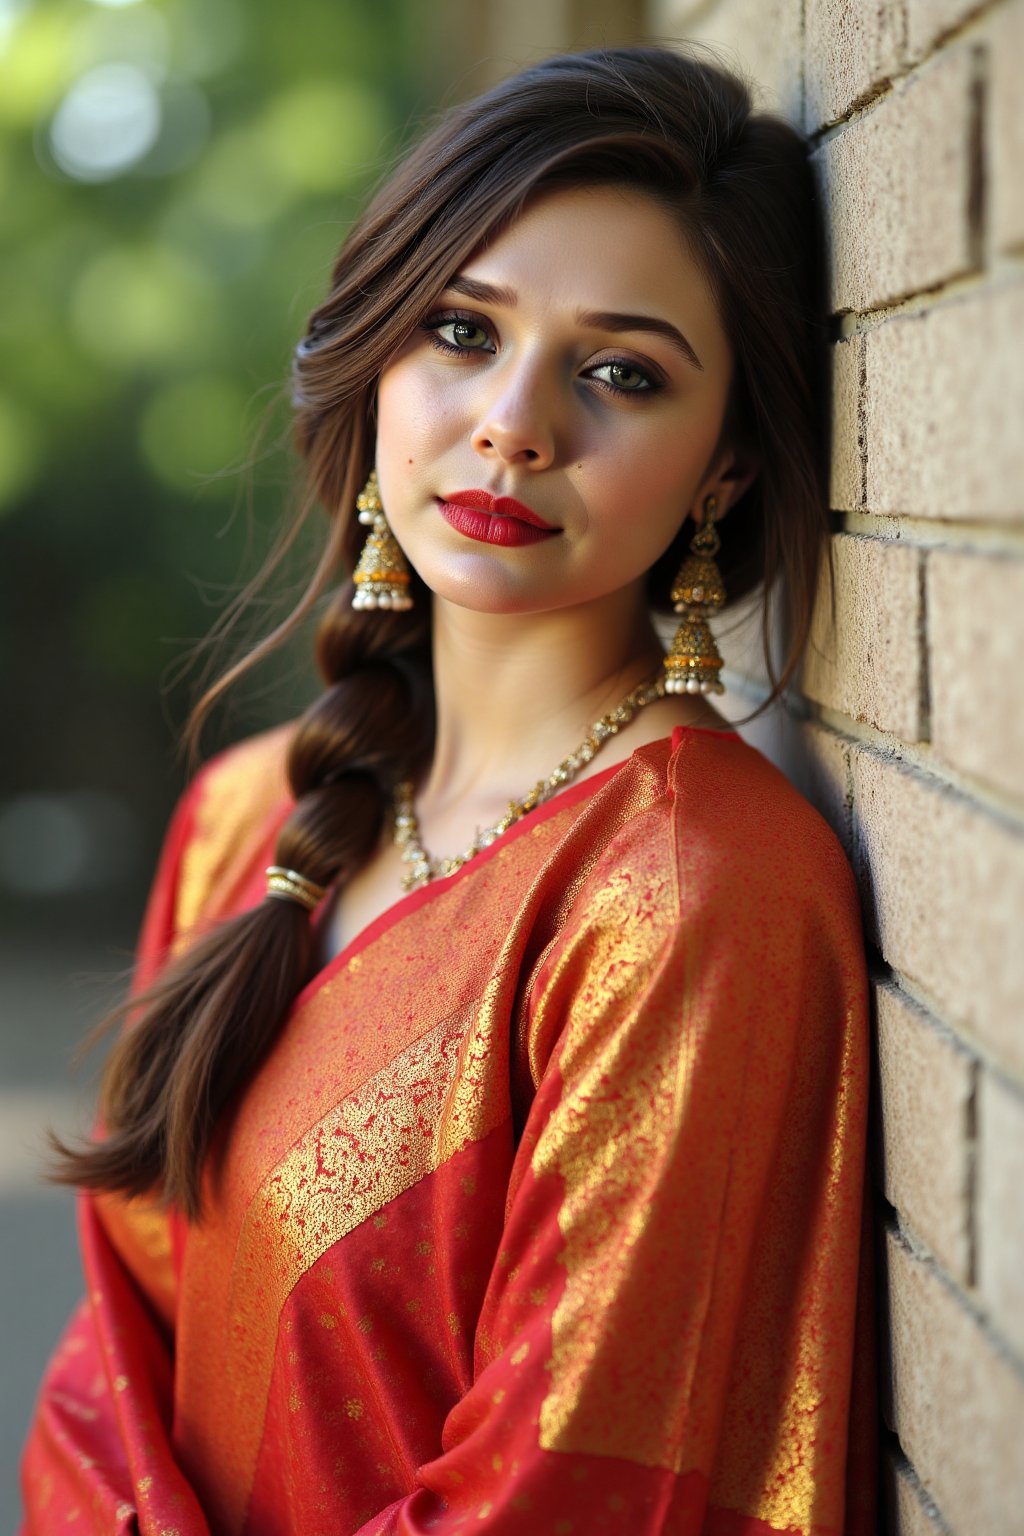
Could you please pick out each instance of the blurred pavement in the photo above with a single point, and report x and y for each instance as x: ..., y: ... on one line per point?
x: 49, y: 998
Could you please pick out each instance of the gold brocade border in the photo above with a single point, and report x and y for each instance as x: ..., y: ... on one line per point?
x: 606, y: 1142
x: 459, y: 958
x: 428, y: 1102
x: 749, y: 1385
x: 798, y: 1486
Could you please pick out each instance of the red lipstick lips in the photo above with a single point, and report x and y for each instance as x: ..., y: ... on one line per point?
x: 494, y: 519
x: 503, y: 506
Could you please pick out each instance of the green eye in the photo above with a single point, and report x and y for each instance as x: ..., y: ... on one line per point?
x: 624, y: 376
x: 467, y: 335
x: 463, y: 334
x: 456, y: 333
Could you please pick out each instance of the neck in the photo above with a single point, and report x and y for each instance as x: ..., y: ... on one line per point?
x: 515, y: 693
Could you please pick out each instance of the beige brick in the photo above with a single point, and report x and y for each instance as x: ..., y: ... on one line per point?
x: 887, y: 239
x: 846, y: 492
x: 943, y: 888
x: 760, y: 38
x: 850, y: 51
x: 910, y: 1512
x: 958, y: 1404
x: 822, y: 773
x: 975, y: 609
x: 928, y: 20
x: 1000, y: 1206
x: 869, y: 665
x: 944, y: 400
x: 1006, y: 127
x: 924, y: 1088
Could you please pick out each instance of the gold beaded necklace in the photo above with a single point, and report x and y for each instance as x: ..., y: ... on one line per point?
x: 423, y: 867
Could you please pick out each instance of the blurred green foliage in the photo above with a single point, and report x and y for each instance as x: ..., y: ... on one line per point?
x: 175, y: 179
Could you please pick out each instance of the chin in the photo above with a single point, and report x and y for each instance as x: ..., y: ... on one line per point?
x: 482, y: 586
x: 476, y: 600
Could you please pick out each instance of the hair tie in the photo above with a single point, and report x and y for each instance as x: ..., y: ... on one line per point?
x: 288, y: 885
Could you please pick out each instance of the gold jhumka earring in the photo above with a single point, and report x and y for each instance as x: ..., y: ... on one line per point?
x: 693, y: 663
x: 382, y: 575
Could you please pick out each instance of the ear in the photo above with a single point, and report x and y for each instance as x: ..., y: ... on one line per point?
x: 727, y: 481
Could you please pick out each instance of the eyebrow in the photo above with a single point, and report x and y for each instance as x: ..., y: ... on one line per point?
x: 594, y: 319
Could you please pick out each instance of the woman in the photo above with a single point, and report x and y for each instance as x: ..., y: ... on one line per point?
x: 529, y: 1198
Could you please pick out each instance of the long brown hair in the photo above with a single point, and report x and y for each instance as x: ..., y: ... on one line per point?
x: 740, y: 185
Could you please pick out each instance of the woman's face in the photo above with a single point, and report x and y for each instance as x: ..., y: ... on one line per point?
x: 576, y: 364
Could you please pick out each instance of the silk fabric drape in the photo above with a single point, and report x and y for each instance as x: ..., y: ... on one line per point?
x: 543, y: 1213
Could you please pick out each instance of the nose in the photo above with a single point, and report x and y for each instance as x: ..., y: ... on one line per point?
x: 516, y: 423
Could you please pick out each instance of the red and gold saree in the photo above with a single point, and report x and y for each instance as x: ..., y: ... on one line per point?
x: 542, y: 1215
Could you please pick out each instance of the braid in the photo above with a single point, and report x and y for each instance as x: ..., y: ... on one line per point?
x: 372, y: 726
x: 214, y: 1013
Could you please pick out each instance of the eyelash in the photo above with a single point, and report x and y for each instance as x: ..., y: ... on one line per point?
x: 433, y: 323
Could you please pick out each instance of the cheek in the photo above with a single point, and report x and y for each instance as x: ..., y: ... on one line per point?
x: 395, y: 404
x: 402, y: 421
x: 654, y: 472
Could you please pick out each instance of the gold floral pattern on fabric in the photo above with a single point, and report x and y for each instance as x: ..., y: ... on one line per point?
x: 703, y: 1091
x: 343, y: 1116
x: 627, y: 1306
x: 380, y: 1140
x: 787, y: 1401
x: 606, y: 1142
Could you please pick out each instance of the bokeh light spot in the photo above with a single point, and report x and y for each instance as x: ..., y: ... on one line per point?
x: 10, y: 13
x: 148, y: 305
x: 79, y: 841
x: 322, y: 134
x: 108, y: 121
x: 38, y: 62
x: 237, y: 185
x: 192, y: 434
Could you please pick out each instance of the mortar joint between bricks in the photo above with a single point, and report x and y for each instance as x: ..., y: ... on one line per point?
x: 917, y: 759
x: 910, y: 1240
x: 894, y: 1226
x: 903, y: 1467
x: 924, y: 693
x: 874, y: 95
x: 862, y: 416
x: 971, y: 1175
x: 802, y: 56
x: 959, y: 30
x: 918, y: 303
x: 971, y: 536
x: 977, y: 183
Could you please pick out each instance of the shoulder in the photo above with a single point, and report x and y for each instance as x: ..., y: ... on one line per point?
x: 719, y: 909
x: 252, y: 772
x: 721, y: 894
x: 726, y: 797
x: 234, y: 803
x: 761, y: 864
x: 721, y: 831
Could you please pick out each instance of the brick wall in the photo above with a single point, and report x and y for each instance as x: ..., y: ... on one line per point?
x: 910, y: 731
